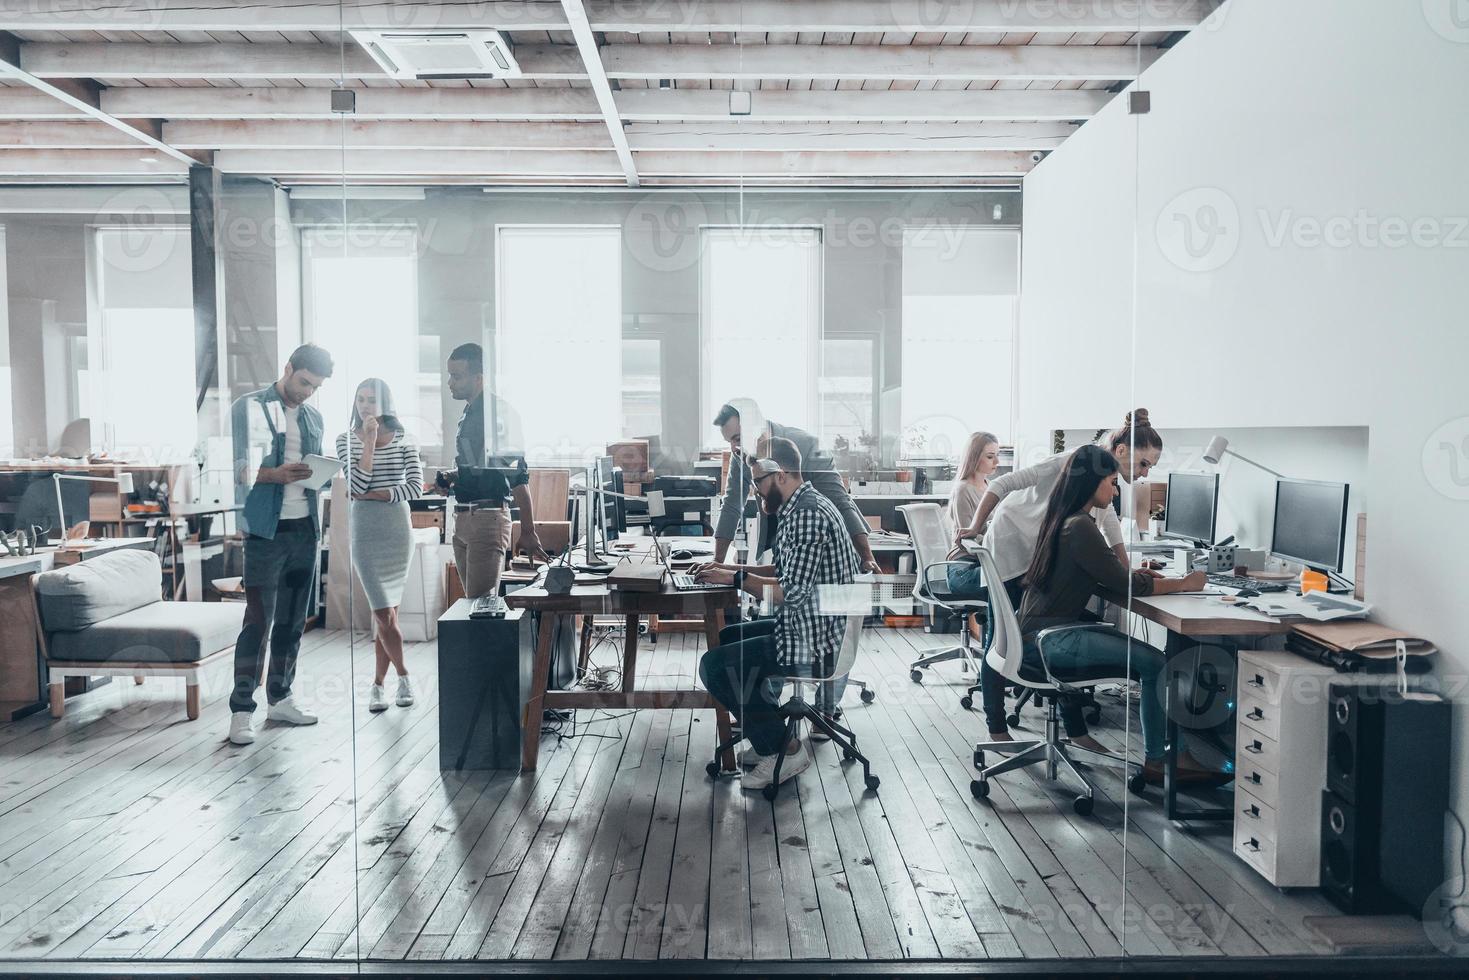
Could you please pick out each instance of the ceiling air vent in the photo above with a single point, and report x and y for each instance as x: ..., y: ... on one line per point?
x: 440, y: 54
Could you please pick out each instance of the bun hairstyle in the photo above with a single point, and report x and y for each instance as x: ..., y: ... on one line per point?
x: 1136, y: 432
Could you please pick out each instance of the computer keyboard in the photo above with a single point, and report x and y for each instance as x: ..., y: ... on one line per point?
x: 1240, y: 582
x: 488, y: 607
x: 684, y: 582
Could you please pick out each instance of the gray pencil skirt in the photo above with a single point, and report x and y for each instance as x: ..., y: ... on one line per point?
x: 382, y: 544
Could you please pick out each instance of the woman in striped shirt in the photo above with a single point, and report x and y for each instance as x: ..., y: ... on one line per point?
x: 386, y: 472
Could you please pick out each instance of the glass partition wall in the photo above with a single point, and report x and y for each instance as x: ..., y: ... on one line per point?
x: 480, y: 490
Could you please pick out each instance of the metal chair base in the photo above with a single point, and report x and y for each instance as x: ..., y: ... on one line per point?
x: 795, y: 711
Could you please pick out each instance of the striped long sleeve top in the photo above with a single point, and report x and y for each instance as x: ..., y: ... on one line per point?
x: 396, y: 467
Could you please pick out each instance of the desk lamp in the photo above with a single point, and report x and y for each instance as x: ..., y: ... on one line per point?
x: 1218, y: 448
x: 124, y: 483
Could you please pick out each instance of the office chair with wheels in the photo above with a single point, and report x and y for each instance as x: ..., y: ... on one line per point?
x: 932, y: 539
x: 798, y: 709
x: 1006, y: 655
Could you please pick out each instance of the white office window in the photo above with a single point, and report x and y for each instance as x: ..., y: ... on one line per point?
x: 848, y: 378
x: 760, y: 314
x: 960, y: 294
x: 558, y: 339
x: 360, y: 299
x: 642, y: 387
x: 140, y: 381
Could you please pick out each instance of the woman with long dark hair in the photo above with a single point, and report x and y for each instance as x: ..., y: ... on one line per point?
x: 1072, y: 563
x: 1011, y: 512
x: 386, y: 472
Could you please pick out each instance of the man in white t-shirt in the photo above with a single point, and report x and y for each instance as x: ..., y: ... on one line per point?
x: 274, y: 430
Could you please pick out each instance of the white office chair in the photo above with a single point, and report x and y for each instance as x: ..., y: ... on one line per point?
x: 854, y: 602
x: 932, y: 538
x: 1006, y: 655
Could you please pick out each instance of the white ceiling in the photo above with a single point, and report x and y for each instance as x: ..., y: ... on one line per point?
x: 618, y: 92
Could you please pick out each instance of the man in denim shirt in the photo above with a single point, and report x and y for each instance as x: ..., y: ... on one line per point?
x: 281, y: 524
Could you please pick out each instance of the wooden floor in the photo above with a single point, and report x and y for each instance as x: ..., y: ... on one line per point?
x: 128, y: 832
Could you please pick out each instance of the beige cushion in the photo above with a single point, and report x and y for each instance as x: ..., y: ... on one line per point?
x: 161, y: 632
x: 89, y: 592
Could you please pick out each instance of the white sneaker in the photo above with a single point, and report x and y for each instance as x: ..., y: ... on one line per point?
x: 405, y: 691
x: 748, y: 758
x: 764, y: 773
x: 288, y: 712
x: 241, y: 732
x: 377, y: 698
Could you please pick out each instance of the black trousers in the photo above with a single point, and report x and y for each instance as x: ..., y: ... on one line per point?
x: 280, y: 573
x: 742, y: 673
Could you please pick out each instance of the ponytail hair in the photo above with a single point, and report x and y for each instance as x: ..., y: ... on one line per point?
x: 1136, y: 433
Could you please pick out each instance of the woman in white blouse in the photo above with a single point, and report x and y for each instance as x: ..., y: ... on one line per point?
x: 1010, y: 515
x: 386, y: 472
x: 981, y: 458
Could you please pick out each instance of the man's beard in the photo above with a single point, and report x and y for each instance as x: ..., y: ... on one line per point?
x: 770, y: 500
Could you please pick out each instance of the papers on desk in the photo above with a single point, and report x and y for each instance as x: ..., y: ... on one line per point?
x: 1316, y: 606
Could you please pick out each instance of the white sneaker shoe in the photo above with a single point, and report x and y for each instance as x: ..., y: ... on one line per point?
x: 377, y: 698
x: 241, y: 731
x: 764, y: 773
x: 288, y: 712
x: 748, y: 758
x: 405, y: 691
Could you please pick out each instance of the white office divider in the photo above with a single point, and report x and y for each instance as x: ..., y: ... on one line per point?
x: 346, y: 603
x: 423, y: 591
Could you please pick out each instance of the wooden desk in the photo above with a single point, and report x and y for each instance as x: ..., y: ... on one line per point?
x: 592, y: 600
x: 1188, y: 619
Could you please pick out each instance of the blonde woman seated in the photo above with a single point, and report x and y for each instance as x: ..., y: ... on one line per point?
x: 385, y: 473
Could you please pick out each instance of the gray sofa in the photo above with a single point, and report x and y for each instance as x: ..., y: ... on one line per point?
x: 106, y: 616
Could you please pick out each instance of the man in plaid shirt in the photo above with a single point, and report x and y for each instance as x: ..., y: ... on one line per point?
x: 811, y: 549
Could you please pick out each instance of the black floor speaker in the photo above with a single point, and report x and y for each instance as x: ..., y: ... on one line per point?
x: 1387, y: 787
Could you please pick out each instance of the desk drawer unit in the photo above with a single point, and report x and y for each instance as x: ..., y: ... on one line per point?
x: 1280, y: 766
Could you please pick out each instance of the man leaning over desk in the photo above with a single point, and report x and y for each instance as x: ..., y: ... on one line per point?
x: 745, y: 429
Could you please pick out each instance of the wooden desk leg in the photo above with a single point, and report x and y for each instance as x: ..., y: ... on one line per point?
x: 629, y: 653
x: 713, y: 623
x: 530, y: 722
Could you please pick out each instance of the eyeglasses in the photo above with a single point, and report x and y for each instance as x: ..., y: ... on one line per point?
x: 759, y: 479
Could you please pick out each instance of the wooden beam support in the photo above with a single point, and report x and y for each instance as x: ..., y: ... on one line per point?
x: 751, y: 62
x: 281, y: 15
x: 17, y: 103
x: 78, y: 133
x: 646, y: 105
x: 207, y: 102
x: 82, y: 97
x: 654, y: 105
x: 135, y: 162
x: 490, y: 164
x: 127, y: 59
x: 633, y: 16
x: 702, y: 137
x: 383, y: 134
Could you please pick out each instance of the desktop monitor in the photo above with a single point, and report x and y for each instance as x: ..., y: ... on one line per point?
x: 1192, y: 506
x: 1310, y: 523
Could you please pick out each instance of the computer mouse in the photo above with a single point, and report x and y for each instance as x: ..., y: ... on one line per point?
x: 1246, y: 594
x: 681, y: 554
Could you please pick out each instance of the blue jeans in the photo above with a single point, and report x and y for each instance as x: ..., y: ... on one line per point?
x: 1087, y: 655
x: 828, y: 695
x: 280, y: 574
x: 744, y: 676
